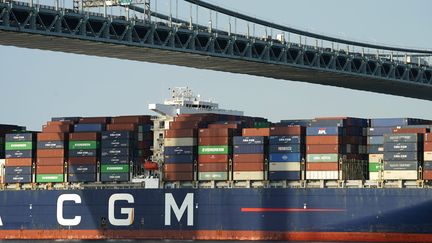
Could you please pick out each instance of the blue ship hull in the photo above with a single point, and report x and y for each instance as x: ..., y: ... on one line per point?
x: 225, y: 214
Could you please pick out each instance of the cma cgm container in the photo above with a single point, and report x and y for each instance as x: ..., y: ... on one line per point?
x: 20, y: 156
x: 286, y: 153
x: 248, y: 157
x: 84, y: 154
x: 402, y: 156
x: 116, y: 155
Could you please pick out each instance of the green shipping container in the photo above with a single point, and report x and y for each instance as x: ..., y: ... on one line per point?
x: 114, y: 168
x: 322, y: 158
x: 45, y: 178
x: 83, y: 144
x: 374, y: 167
x: 222, y: 149
x: 261, y: 124
x: 19, y: 145
x: 213, y: 176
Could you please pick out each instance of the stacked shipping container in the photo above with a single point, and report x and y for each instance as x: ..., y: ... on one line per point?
x: 116, y: 155
x: 214, y: 153
x: 402, y: 156
x: 427, y: 157
x: 286, y: 152
x: 52, y: 151
x: 83, y: 156
x: 20, y: 152
x: 333, y: 145
x: 248, y: 157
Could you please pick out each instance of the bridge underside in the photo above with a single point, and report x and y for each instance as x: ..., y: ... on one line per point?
x: 187, y: 59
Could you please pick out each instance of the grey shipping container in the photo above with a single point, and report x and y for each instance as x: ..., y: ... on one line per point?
x: 393, y: 147
x: 83, y: 153
x: 248, y: 140
x: 106, y: 177
x: 18, y: 179
x: 401, y: 138
x: 10, y: 154
x: 117, y: 143
x: 116, y: 152
x: 400, y: 165
x: 116, y: 160
x: 18, y: 137
x: 401, y: 156
x: 16, y: 170
x: 76, y: 169
x: 50, y: 144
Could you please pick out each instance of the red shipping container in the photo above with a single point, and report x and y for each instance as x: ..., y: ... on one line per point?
x: 59, y: 123
x: 184, y: 125
x: 50, y: 136
x: 219, y: 126
x: 82, y: 160
x: 427, y: 174
x: 428, y: 137
x: 94, y: 120
x: 122, y: 127
x: 410, y: 130
x: 19, y: 162
x: 56, y: 128
x: 178, y: 176
x: 49, y: 169
x: 310, y: 140
x: 287, y: 131
x: 131, y: 119
x: 427, y: 146
x: 180, y: 133
x: 188, y: 119
x: 50, y: 161
x: 261, y: 132
x: 322, y: 149
x: 50, y: 153
x: 213, y: 167
x: 213, y: 158
x: 216, y: 132
x: 248, y: 158
x: 80, y: 136
x: 318, y: 166
x: 248, y: 166
x: 178, y: 168
x: 208, y: 141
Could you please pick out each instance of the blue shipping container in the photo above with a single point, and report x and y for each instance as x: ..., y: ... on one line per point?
x: 389, y: 122
x: 116, y: 152
x: 18, y: 178
x: 401, y: 156
x: 248, y: 140
x: 89, y: 127
x: 114, y: 135
x: 248, y: 149
x: 284, y: 175
x: 17, y: 170
x: 82, y: 177
x: 324, y: 131
x: 19, y: 137
x: 285, y: 148
x: 285, y: 157
x: 83, y: 153
x: 379, y: 131
x: 170, y: 150
x: 375, y: 149
x: 115, y: 160
x: 10, y: 154
x: 77, y: 169
x: 375, y: 140
x: 51, y: 144
x: 105, y: 177
x: 285, y: 140
x: 393, y: 147
x: 173, y: 159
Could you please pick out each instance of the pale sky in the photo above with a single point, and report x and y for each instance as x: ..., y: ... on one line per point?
x: 37, y: 85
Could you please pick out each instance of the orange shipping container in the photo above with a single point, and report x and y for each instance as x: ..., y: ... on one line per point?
x: 50, y: 153
x: 248, y: 158
x: 178, y: 168
x: 216, y: 132
x: 287, y: 131
x: 49, y: 169
x: 19, y: 162
x: 92, y: 120
x: 428, y: 146
x: 248, y: 166
x: 180, y: 133
x: 410, y: 130
x: 59, y: 123
x: 427, y: 175
x: 218, y: 126
x: 318, y: 166
x: 213, y: 167
x: 208, y: 141
x: 322, y: 149
x: 82, y: 160
x: 428, y: 137
x: 213, y: 158
x: 264, y: 132
x: 178, y: 176
x: 122, y: 127
x: 51, y: 136
x: 79, y: 136
x: 56, y: 128
x: 50, y: 161
x: 322, y: 140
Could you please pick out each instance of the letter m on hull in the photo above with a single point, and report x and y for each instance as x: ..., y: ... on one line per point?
x: 170, y: 204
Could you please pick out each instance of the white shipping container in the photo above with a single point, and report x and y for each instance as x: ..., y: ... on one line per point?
x: 376, y: 158
x: 322, y: 175
x: 400, y: 175
x: 248, y: 175
x: 180, y: 141
x: 284, y: 166
x: 375, y: 176
x: 427, y: 156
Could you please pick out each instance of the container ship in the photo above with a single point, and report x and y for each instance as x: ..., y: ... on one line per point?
x: 199, y: 172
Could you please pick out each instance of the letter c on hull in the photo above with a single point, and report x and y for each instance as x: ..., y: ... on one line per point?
x: 60, y: 219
